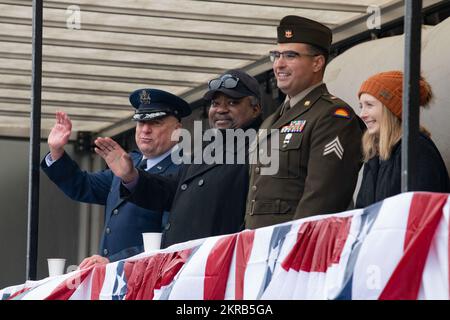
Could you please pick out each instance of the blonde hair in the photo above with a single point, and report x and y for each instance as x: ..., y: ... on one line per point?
x: 390, y: 84
x: 381, y: 143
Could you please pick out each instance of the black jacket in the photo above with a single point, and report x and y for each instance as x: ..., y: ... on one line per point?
x: 204, y: 199
x: 382, y: 179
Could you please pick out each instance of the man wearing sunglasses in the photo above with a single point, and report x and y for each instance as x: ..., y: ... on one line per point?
x: 234, y: 103
x: 203, y: 199
x: 319, y: 134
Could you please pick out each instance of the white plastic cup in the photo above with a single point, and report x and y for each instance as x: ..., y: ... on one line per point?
x: 56, y: 266
x: 152, y: 241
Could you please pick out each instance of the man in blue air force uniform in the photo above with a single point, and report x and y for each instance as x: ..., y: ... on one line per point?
x: 157, y: 116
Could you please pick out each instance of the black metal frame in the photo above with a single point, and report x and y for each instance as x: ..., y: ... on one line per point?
x: 35, y: 137
x: 411, y: 91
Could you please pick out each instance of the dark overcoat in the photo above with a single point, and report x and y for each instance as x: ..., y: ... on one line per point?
x: 204, y: 200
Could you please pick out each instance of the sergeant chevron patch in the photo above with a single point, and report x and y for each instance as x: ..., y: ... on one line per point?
x: 334, y: 146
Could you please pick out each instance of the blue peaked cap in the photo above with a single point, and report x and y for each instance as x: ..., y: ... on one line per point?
x: 153, y: 104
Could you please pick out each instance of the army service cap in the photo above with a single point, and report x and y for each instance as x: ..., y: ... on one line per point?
x: 295, y: 29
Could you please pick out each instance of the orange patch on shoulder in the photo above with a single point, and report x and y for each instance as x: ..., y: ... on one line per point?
x: 342, y: 113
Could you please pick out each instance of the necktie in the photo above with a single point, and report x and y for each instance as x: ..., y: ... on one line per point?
x: 286, y: 106
x: 143, y: 164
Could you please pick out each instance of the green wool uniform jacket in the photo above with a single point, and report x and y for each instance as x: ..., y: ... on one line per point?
x: 319, y: 159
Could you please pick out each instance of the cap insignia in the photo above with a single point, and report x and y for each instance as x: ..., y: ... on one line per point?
x: 144, y: 97
x: 288, y: 34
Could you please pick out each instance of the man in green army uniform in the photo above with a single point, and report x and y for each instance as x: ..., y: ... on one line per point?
x: 319, y: 135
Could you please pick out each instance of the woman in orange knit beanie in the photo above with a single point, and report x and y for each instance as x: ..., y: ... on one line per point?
x: 380, y: 99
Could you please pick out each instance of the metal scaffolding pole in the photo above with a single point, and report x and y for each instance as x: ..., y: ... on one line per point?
x: 411, y: 92
x: 35, y: 137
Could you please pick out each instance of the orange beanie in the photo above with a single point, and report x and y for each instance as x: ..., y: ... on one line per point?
x: 388, y: 88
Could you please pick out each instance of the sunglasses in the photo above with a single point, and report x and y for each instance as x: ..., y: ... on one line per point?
x: 227, y: 81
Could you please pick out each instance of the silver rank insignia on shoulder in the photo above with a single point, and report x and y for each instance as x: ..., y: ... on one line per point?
x: 144, y: 97
x: 295, y: 126
x: 334, y: 146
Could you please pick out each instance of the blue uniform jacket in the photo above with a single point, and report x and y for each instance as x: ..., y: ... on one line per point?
x: 124, y: 221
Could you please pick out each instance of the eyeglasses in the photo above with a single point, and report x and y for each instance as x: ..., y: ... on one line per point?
x: 288, y: 55
x: 227, y: 81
